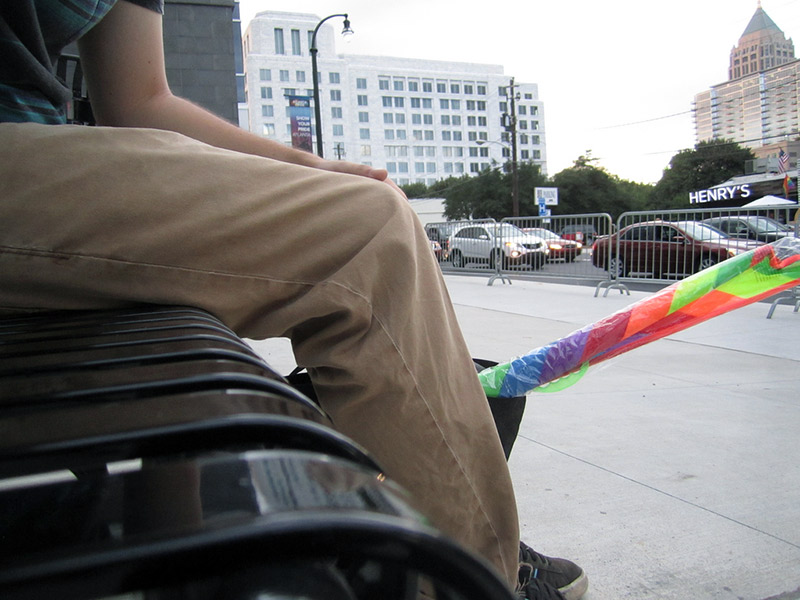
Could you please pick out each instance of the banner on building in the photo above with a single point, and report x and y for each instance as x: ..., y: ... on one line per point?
x: 300, y: 118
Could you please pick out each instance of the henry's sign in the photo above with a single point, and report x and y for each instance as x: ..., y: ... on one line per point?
x: 730, y: 192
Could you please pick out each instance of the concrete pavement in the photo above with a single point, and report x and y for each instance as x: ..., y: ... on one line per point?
x: 670, y: 472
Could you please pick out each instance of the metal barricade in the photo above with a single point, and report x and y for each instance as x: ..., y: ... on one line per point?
x: 465, y: 245
x: 665, y: 246
x: 655, y: 247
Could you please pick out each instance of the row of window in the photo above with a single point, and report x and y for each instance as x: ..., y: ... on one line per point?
x: 400, y: 84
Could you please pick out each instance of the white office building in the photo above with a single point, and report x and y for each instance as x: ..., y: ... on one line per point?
x: 422, y: 120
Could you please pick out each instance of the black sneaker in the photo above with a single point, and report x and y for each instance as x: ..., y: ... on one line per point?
x: 559, y: 573
x: 534, y: 589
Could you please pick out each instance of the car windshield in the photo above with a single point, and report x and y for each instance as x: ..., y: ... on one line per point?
x: 767, y: 225
x: 701, y: 231
x: 507, y: 230
x: 543, y: 233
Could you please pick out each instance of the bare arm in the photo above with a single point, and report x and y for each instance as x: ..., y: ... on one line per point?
x: 123, y: 59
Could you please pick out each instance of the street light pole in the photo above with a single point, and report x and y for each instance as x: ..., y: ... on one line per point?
x: 313, y: 50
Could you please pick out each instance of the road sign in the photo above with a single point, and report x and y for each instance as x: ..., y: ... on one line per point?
x: 546, y: 195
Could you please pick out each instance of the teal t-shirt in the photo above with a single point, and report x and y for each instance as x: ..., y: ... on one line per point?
x: 33, y: 34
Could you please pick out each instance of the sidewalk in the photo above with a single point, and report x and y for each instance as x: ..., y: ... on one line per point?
x: 671, y: 472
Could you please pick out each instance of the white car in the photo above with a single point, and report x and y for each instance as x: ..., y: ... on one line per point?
x: 496, y: 244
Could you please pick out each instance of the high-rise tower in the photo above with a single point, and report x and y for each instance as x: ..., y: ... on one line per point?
x: 762, y: 46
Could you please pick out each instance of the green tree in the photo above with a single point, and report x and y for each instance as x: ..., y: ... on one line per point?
x: 488, y: 195
x: 415, y: 190
x: 708, y: 164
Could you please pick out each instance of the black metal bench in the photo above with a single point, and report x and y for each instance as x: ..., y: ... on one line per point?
x: 151, y: 452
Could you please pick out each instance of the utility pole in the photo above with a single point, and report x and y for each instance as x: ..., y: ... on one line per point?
x: 511, y: 127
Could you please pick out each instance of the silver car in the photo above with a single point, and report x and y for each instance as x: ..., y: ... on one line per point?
x: 497, y: 244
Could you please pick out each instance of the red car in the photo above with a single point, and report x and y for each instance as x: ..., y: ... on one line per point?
x: 560, y: 248
x: 665, y: 249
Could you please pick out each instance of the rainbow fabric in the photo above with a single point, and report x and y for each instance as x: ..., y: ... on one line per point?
x: 728, y: 285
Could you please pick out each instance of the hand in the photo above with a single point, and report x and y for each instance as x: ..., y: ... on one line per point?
x: 340, y: 166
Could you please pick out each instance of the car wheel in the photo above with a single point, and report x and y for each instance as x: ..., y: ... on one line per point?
x: 706, y: 262
x: 458, y: 259
x: 616, y: 266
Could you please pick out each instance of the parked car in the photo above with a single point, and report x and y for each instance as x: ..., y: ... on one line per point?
x: 665, y: 249
x: 585, y: 233
x: 559, y: 247
x: 496, y: 243
x: 436, y: 248
x: 752, y: 227
x: 441, y: 232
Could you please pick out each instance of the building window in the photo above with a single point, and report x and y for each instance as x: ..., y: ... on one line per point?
x: 362, y: 101
x: 363, y: 117
x: 269, y: 129
x: 333, y: 78
x: 429, y: 135
x: 416, y: 103
x: 455, y: 104
x: 336, y: 95
x: 441, y: 87
x: 386, y: 101
x: 427, y: 103
x: 363, y: 133
x: 457, y: 120
x: 522, y: 109
x: 416, y: 119
x: 361, y: 83
x: 399, y: 102
x: 279, y: 49
x: 366, y: 150
x: 388, y: 134
x: 383, y: 84
x: 284, y: 75
x: 468, y: 89
x: 400, y: 118
x: 427, y: 119
x: 300, y: 76
x: 388, y: 118
x: 267, y: 110
x: 399, y: 85
x: 413, y: 86
x: 430, y: 167
x: 427, y: 86
x: 336, y: 112
x: 296, y: 42
x: 391, y: 167
x: 266, y: 93
x: 447, y: 136
x: 401, y: 134
x: 444, y: 103
x: 265, y: 74
x: 419, y: 167
x: 338, y: 130
x: 481, y: 90
x: 455, y: 88
x: 457, y: 137
x: 484, y: 152
x: 445, y: 119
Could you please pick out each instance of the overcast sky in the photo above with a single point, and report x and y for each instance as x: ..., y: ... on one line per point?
x: 617, y: 78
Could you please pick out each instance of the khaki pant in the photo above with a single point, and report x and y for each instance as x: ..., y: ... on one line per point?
x: 100, y: 217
